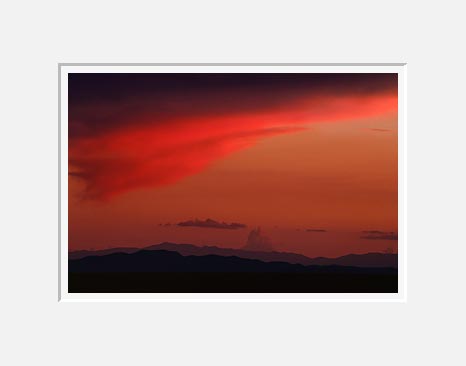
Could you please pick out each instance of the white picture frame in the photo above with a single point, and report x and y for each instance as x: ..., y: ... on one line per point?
x: 65, y: 68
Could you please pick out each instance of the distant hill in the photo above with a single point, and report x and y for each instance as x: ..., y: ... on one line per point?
x: 168, y: 261
x: 162, y: 271
x: 355, y: 260
x: 78, y: 254
x: 189, y: 249
x: 360, y: 260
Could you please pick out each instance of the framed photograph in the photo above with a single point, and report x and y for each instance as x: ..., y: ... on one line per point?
x: 232, y: 182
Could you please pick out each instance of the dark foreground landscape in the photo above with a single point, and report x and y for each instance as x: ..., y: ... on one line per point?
x: 162, y: 271
x: 211, y: 282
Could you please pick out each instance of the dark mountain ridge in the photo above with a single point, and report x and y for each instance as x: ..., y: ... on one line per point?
x: 354, y: 260
x: 169, y: 261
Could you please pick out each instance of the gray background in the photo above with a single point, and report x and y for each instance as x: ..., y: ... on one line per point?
x: 36, y: 329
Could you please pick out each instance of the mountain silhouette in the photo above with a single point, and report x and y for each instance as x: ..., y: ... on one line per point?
x: 168, y: 261
x: 359, y: 260
x: 78, y: 254
x: 353, y: 260
x: 171, y: 272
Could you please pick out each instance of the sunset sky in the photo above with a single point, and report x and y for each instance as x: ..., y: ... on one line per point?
x: 311, y: 158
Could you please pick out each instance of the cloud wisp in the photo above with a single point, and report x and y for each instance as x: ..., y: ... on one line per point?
x: 212, y: 224
x: 380, y: 130
x: 379, y: 235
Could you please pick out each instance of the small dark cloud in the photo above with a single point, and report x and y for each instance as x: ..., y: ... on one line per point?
x: 167, y: 224
x: 209, y: 223
x: 316, y: 230
x: 379, y: 235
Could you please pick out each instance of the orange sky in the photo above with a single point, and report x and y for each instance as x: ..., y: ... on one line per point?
x: 323, y: 161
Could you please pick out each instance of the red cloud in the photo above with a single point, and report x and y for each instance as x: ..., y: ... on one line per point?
x: 145, y: 152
